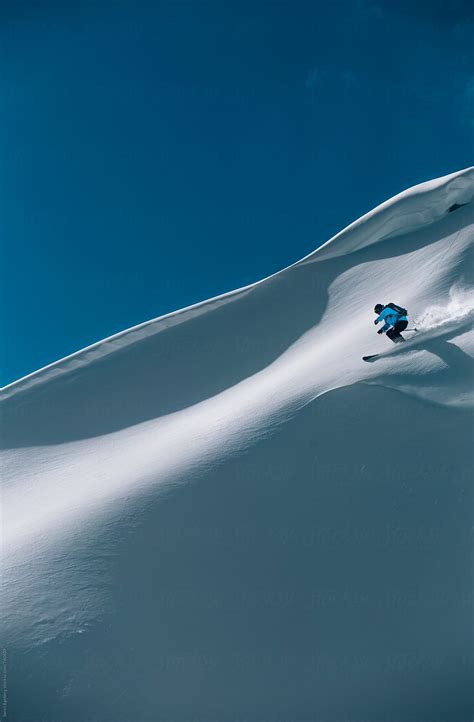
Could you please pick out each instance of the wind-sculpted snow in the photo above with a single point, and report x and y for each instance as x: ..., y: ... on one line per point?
x: 409, y: 211
x: 224, y: 513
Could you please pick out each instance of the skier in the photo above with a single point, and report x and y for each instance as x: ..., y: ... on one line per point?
x: 394, y: 318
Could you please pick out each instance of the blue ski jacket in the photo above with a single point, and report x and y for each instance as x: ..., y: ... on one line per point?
x: 389, y: 317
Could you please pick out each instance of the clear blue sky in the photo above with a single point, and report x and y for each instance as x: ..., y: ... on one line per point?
x: 154, y: 154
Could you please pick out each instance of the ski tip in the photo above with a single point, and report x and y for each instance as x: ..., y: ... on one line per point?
x: 370, y: 358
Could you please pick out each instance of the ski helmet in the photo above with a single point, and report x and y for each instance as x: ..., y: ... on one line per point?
x: 378, y: 308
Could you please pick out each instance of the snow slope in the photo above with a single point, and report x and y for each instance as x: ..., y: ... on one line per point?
x: 224, y: 513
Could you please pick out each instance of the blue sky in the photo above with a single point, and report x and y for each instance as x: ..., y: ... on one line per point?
x: 155, y: 154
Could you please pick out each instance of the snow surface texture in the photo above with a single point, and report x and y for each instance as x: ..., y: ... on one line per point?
x: 225, y: 514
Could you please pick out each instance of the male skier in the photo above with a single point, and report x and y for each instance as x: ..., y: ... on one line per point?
x: 394, y: 318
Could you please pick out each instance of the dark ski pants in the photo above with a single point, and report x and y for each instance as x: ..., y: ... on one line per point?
x: 395, y: 332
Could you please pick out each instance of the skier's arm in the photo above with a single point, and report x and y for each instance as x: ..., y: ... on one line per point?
x: 383, y: 317
x: 384, y: 313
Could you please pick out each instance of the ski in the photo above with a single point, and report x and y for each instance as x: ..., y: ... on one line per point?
x: 374, y: 356
x: 417, y: 339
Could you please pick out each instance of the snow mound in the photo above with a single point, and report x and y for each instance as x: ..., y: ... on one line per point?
x: 224, y: 513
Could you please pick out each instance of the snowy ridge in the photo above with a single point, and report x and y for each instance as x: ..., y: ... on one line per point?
x: 410, y: 210
x: 406, y: 212
x: 253, y: 408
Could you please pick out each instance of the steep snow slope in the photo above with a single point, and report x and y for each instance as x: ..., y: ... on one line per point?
x: 226, y: 514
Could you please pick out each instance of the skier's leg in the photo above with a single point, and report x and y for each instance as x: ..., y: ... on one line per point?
x: 394, y: 333
x: 399, y: 327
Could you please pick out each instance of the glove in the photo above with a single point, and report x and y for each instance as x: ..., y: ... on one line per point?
x: 376, y: 321
x: 380, y: 330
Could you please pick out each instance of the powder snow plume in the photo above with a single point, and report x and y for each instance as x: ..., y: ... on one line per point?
x: 458, y: 309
